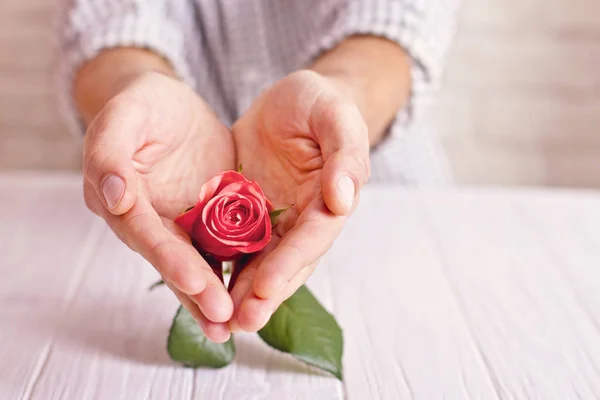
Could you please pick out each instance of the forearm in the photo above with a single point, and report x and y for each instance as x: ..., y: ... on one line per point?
x: 374, y: 73
x: 101, y: 78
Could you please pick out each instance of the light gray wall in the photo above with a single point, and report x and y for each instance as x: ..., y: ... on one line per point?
x: 32, y: 134
x: 521, y: 102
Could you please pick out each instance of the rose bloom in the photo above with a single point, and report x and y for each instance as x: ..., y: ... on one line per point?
x: 230, y: 219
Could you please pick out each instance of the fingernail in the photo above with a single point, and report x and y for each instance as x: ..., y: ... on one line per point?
x: 113, y: 188
x: 346, y: 188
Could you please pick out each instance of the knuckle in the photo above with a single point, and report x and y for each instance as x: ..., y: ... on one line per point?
x: 121, y: 235
x: 89, y: 196
x: 150, y: 78
x: 136, y: 225
x: 92, y: 163
x: 363, y: 165
x: 130, y: 105
x: 341, y: 115
x: 333, y: 110
x: 357, y: 162
x: 169, y: 264
x: 176, y: 268
x: 103, y: 134
x: 304, y: 74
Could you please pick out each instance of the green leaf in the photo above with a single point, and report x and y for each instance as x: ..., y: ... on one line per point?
x: 156, y: 284
x: 188, y: 345
x: 303, y: 328
x: 240, y: 169
x: 275, y: 214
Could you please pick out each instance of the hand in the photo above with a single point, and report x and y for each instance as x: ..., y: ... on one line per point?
x: 146, y: 155
x: 307, y: 145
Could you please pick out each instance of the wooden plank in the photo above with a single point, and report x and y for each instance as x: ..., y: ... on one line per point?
x: 262, y: 373
x: 111, y: 342
x: 108, y: 338
x: 457, y: 295
x: 574, y: 244
x: 405, y: 334
x: 44, y: 249
x: 535, y: 337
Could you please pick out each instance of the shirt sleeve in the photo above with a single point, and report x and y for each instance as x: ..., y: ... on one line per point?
x: 424, y: 29
x: 89, y: 26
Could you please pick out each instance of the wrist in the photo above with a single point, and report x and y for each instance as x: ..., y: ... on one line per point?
x: 349, y: 86
x: 103, y: 77
x: 372, y: 71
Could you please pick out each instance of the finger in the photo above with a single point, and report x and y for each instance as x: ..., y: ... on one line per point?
x: 177, y: 261
x: 208, y: 299
x: 311, y: 237
x: 240, y: 290
x: 254, y: 312
x: 243, y: 282
x: 91, y: 199
x: 344, y: 173
x: 344, y: 140
x: 174, y: 258
x: 216, y: 332
x: 110, y: 142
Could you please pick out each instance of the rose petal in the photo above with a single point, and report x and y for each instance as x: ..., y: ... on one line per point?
x: 257, y: 205
x: 207, y: 191
x: 223, y: 253
x: 207, y: 233
x: 187, y: 220
x: 254, y: 230
x: 259, y: 244
x: 202, y: 234
x: 239, y: 208
x: 248, y: 187
x: 211, y: 223
x: 257, y: 232
x: 224, y: 226
x: 216, y: 184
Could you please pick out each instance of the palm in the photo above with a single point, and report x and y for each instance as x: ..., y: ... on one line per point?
x: 182, y: 145
x: 278, y: 149
x: 162, y: 142
x: 298, y: 140
x: 172, y: 169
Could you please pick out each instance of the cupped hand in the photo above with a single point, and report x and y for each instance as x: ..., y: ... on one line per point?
x: 146, y: 155
x: 307, y: 145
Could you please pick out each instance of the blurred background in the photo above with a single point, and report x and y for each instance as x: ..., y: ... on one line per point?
x: 520, y: 103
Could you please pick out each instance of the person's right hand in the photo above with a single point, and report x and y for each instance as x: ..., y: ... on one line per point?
x: 146, y: 155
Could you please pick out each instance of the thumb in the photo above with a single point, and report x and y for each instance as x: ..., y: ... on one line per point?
x: 344, y: 141
x: 110, y: 143
x: 344, y: 174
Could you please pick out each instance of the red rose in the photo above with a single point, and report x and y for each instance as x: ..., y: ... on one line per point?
x: 230, y: 218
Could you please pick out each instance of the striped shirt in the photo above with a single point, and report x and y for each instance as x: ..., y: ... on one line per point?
x: 230, y: 50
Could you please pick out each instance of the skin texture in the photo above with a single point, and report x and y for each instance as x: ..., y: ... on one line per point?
x: 372, y: 72
x: 154, y: 133
x: 299, y: 139
x: 298, y: 152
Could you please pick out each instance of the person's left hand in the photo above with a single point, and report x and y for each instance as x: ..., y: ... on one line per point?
x: 307, y: 145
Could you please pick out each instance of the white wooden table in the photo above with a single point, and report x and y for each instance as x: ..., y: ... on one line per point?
x: 470, y: 294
